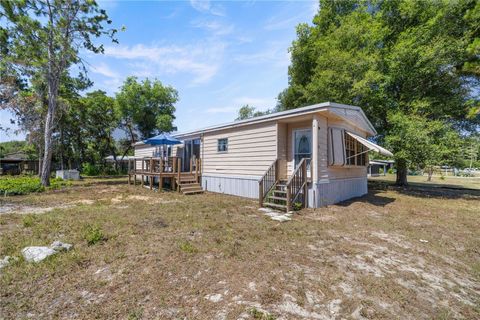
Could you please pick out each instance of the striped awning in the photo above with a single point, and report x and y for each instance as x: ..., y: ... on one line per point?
x: 370, y: 145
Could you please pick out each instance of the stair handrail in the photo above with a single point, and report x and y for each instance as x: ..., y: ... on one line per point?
x: 267, y: 182
x: 296, y: 183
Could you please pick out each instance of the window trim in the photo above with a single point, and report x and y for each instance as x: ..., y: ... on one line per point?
x: 218, y: 145
x: 357, y: 153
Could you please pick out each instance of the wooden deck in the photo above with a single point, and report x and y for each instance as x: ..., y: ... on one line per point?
x: 166, y: 169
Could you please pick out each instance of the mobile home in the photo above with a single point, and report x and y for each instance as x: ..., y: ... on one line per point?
x: 313, y: 156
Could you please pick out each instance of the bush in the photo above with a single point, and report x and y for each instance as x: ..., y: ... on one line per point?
x: 15, y: 185
x: 57, y: 183
x: 20, y: 185
x: 89, y: 169
x: 93, y: 235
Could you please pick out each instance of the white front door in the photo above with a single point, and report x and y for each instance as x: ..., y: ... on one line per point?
x: 302, y: 146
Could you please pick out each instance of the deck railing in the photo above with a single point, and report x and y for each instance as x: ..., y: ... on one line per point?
x: 161, y: 168
x: 267, y: 182
x: 298, y: 184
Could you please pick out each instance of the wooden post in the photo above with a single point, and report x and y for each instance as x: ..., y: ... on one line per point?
x: 305, y: 185
x: 196, y: 170
x: 128, y: 170
x: 143, y: 169
x: 260, y: 193
x: 191, y: 165
x: 288, y: 198
x: 160, y: 176
x: 179, y: 163
x: 150, y: 178
x: 134, y: 171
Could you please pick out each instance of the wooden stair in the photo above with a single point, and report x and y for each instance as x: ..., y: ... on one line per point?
x: 190, y: 186
x: 277, y: 198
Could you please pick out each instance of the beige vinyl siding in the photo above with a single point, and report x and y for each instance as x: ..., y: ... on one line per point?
x: 143, y: 150
x: 346, y: 171
x: 282, y: 154
x: 251, y: 150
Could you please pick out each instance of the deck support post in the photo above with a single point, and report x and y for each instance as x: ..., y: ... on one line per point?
x: 179, y: 163
x: 134, y: 172
x: 196, y: 170
x: 151, y: 174
x: 143, y: 169
x: 160, y: 177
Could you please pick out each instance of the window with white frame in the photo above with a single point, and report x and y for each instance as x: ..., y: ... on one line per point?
x: 222, y: 145
x: 355, y: 152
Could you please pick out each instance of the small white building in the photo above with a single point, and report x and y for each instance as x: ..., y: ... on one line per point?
x: 316, y: 155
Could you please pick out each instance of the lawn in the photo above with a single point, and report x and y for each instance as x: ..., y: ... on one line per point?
x: 437, y: 181
x: 395, y: 253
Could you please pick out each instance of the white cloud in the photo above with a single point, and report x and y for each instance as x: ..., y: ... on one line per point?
x: 201, y: 60
x: 205, y: 6
x: 217, y: 28
x: 104, y: 70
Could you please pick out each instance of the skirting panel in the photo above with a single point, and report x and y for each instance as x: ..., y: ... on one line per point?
x: 238, y: 186
x: 338, y: 190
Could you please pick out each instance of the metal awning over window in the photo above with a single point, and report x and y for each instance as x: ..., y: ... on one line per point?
x: 370, y: 145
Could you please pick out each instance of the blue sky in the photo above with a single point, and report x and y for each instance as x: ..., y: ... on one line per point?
x: 218, y: 55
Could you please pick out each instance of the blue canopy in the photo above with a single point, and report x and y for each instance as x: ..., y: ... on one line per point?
x: 162, y: 139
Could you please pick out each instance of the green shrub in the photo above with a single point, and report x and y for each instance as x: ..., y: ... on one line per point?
x: 15, y: 185
x: 57, y: 183
x: 297, y: 206
x: 391, y: 171
x: 89, y: 169
x: 93, y: 235
x: 20, y: 185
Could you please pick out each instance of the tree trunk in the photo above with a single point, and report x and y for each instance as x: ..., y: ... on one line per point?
x: 48, y: 147
x: 401, y: 173
x: 430, y: 173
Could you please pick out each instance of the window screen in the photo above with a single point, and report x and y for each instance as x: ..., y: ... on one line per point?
x: 222, y: 145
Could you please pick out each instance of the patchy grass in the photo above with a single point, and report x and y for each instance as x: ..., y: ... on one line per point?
x: 409, y: 252
x: 437, y: 181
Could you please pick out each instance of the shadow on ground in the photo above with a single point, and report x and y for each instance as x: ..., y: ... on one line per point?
x: 426, y: 191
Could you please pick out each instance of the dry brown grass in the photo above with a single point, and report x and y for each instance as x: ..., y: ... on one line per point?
x: 213, y: 256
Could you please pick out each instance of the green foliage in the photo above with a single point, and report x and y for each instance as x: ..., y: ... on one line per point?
x: 187, y: 247
x: 422, y: 143
x: 93, y: 234
x: 400, y: 56
x: 146, y: 106
x: 413, y: 61
x: 16, y: 185
x: 297, y: 206
x: 16, y: 146
x: 89, y: 169
x: 247, y: 112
